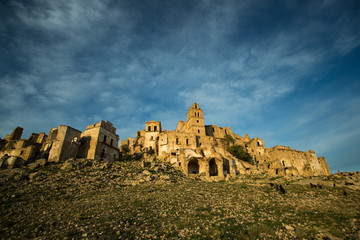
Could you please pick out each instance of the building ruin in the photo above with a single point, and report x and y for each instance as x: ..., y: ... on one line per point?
x: 200, y: 150
x: 98, y: 142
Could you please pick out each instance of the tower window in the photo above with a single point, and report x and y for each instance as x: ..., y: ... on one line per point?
x: 111, y: 142
x: 187, y: 141
x: 155, y: 128
x: 177, y: 141
x: 198, y: 131
x: 197, y: 120
x: 195, y: 114
x: 149, y: 128
x: 258, y: 144
x: 104, y: 140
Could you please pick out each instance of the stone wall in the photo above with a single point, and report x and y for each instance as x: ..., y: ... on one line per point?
x: 63, y: 142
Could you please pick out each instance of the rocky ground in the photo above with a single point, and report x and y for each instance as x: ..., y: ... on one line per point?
x: 81, y: 199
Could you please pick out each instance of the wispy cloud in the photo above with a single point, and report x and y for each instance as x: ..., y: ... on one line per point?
x: 77, y: 62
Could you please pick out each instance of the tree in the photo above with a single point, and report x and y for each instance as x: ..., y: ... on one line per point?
x: 239, y: 152
x: 229, y: 139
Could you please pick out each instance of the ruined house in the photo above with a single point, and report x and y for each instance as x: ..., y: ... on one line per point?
x: 98, y: 142
x: 16, y: 151
x: 200, y: 150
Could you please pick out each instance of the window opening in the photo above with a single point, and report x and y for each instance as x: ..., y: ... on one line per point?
x: 111, y: 142
x: 187, y: 141
x: 177, y: 141
x: 103, y: 153
x: 155, y: 127
x: 149, y: 128
x: 104, y: 140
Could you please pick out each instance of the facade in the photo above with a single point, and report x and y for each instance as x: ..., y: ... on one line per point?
x: 62, y: 143
x: 99, y: 142
x: 200, y: 150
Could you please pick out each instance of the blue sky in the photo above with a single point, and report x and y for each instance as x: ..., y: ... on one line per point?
x: 285, y: 71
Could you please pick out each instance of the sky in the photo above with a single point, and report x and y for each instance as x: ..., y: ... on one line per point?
x: 287, y: 72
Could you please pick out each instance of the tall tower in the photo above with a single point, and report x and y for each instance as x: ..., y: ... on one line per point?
x: 152, y: 131
x: 195, y: 120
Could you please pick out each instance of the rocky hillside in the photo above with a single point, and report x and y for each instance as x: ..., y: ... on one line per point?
x: 83, y: 199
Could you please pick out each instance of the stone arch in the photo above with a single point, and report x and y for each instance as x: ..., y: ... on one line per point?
x: 213, y: 168
x: 193, y: 166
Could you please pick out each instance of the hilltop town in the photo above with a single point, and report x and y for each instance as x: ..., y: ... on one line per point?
x: 181, y: 184
x: 196, y: 149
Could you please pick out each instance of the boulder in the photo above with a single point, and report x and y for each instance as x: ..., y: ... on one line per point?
x: 146, y: 172
x: 13, y: 162
x: 68, y: 165
x: 38, y: 163
x: 289, y: 228
x: 149, y: 178
x: 165, y: 177
x: 37, y: 176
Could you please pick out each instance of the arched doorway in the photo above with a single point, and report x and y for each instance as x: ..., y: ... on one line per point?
x: 213, y: 169
x: 226, y: 167
x: 193, y: 167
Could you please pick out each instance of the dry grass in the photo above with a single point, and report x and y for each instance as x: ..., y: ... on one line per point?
x: 92, y: 203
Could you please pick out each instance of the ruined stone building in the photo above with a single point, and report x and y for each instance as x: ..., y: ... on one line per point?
x: 193, y: 147
x: 199, y: 149
x: 98, y: 142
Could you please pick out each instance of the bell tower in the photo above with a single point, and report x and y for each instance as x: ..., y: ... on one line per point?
x: 195, y: 120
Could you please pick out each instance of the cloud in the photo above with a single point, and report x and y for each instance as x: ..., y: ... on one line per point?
x: 255, y: 66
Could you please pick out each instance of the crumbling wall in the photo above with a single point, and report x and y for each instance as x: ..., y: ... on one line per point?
x: 24, y: 149
x: 63, y: 143
x: 99, y: 142
x: 282, y: 161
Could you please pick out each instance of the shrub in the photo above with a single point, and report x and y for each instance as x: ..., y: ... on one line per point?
x: 229, y: 139
x: 239, y: 152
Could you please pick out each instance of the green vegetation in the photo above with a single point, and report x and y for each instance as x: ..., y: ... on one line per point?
x: 229, y: 139
x: 239, y: 152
